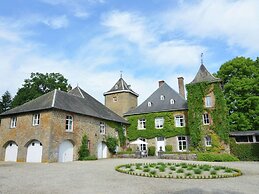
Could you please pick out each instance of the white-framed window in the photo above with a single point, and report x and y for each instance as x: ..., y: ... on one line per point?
x: 206, y: 119
x: 124, y: 130
x: 142, y: 124
x: 172, y: 101
x: 149, y: 104
x: 179, y: 121
x: 162, y: 97
x: 182, y: 143
x: 13, y: 122
x: 159, y: 122
x: 207, y: 140
x: 143, y: 147
x: 69, y: 123
x: 36, y: 119
x: 114, y: 99
x: 102, y: 128
x: 208, y: 101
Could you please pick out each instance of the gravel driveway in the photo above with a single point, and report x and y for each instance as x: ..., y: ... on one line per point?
x: 100, y: 177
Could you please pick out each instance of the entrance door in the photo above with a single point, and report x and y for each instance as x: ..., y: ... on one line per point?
x: 34, y: 152
x: 160, y: 143
x: 102, y: 150
x: 66, y: 150
x: 11, y: 152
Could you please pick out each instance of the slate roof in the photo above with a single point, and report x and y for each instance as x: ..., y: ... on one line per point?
x: 121, y: 86
x: 158, y: 105
x: 243, y: 133
x: 204, y: 75
x: 76, y: 101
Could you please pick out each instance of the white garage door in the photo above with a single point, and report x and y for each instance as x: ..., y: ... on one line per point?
x: 11, y: 152
x: 34, y: 152
x: 66, y: 151
x: 102, y: 150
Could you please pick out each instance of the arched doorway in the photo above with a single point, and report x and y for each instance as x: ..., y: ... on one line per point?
x: 11, y: 151
x: 102, y: 150
x: 34, y: 151
x: 66, y: 151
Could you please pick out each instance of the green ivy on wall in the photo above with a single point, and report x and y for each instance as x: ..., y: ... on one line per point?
x: 196, y: 95
x: 169, y: 129
x: 119, y: 127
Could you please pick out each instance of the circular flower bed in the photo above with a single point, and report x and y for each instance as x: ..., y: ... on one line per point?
x: 178, y: 170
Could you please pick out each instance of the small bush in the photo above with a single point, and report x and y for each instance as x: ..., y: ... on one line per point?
x: 168, y: 148
x: 162, y: 168
x: 146, y: 169
x: 172, y: 168
x: 228, y: 170
x: 153, y: 172
x: 151, y: 150
x: 215, y: 157
x: 189, y: 168
x: 180, y: 170
x: 188, y: 174
x: 112, y: 143
x: 217, y: 167
x: 197, y: 171
x: 213, y: 172
x: 90, y: 158
x: 127, y: 166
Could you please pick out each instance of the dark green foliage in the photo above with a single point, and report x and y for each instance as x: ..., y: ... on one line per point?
x: 151, y: 150
x: 197, y: 171
x: 162, y: 168
x: 5, y: 102
x: 245, y: 151
x: 83, y: 152
x: 214, y: 157
x: 168, y: 148
x: 240, y: 77
x: 180, y: 170
x: 90, y: 158
x: 118, y: 127
x: 169, y: 129
x: 112, y: 144
x: 39, y: 84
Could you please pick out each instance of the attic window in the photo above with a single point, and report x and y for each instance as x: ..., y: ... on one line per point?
x: 162, y: 97
x: 172, y: 101
x: 149, y: 104
x: 116, y: 87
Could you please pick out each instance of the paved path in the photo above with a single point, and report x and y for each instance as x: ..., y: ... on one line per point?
x: 100, y: 177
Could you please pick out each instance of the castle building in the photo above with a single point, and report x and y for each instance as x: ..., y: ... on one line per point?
x: 50, y: 128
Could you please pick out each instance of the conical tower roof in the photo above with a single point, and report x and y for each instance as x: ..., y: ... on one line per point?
x: 121, y: 86
x: 204, y: 75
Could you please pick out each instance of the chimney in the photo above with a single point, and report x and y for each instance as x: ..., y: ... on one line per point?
x: 160, y: 83
x: 181, y: 86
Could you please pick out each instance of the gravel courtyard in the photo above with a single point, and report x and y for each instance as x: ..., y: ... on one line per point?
x: 100, y: 177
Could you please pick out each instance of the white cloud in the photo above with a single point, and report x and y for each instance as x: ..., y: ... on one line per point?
x: 57, y: 22
x: 235, y: 22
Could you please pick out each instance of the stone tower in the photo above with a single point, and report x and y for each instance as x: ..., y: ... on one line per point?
x: 207, y: 113
x: 121, y: 98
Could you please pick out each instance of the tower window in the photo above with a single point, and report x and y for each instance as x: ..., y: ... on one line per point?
x: 206, y: 119
x: 36, y: 119
x: 69, y: 123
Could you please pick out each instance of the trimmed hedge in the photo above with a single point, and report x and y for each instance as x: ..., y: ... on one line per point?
x: 168, y: 148
x: 246, y: 151
x: 215, y: 157
x: 151, y: 150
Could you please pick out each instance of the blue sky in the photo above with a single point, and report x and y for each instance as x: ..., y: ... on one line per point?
x: 91, y: 41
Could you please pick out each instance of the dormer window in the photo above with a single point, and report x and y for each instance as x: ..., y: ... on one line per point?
x: 162, y: 97
x: 116, y: 87
x: 149, y: 104
x: 172, y: 101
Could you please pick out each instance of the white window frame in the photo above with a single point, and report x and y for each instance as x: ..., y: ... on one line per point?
x: 141, y: 124
x: 162, y: 97
x: 69, y: 123
x: 143, y: 147
x: 102, y: 128
x: 182, y: 142
x: 208, y: 141
x: 36, y: 119
x: 208, y: 102
x: 206, y: 119
x: 149, y: 104
x: 13, y: 122
x: 159, y: 122
x: 179, y: 121
x: 172, y: 101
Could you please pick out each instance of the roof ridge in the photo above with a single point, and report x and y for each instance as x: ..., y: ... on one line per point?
x: 54, y: 98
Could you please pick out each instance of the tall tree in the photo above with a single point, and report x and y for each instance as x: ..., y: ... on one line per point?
x: 39, y: 84
x: 241, y: 89
x: 5, y: 102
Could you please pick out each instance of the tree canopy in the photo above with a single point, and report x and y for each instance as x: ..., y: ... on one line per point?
x: 240, y: 77
x: 5, y: 102
x: 39, y: 84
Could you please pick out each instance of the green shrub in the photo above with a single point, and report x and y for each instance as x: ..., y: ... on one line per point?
x: 127, y: 166
x: 146, y: 169
x: 90, y: 158
x: 197, y: 171
x: 217, y: 167
x: 213, y: 172
x: 168, y: 148
x: 180, y: 170
x: 188, y: 174
x: 153, y: 172
x: 228, y: 170
x: 83, y: 150
x: 151, y: 150
x: 112, y: 144
x: 172, y: 168
x: 129, y: 149
x: 245, y: 152
x: 189, y: 167
x: 215, y: 157
x: 162, y: 168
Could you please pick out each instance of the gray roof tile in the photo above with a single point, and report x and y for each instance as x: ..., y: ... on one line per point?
x: 76, y: 101
x: 158, y: 105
